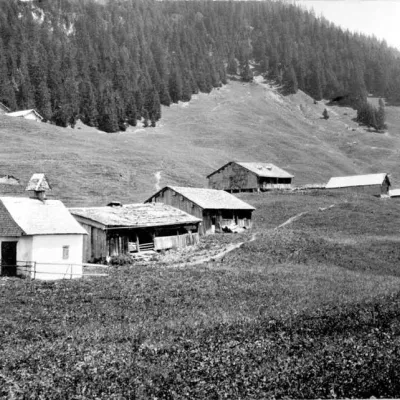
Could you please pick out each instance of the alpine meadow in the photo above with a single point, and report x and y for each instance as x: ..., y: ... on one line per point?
x: 294, y: 295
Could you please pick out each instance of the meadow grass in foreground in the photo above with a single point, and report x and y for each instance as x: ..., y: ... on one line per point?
x: 285, y: 316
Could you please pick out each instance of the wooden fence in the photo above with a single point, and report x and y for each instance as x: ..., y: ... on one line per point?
x: 178, y: 241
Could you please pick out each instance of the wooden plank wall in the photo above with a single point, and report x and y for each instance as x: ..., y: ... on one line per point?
x: 375, y: 190
x: 233, y: 177
x: 178, y: 201
x: 173, y: 242
x: 94, y: 243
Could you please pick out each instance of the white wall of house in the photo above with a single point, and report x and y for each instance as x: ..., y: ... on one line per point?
x: 24, y: 246
x: 48, y: 254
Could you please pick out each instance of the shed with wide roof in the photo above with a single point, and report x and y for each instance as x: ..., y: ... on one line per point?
x: 119, y: 229
x: 216, y: 208
x: 375, y: 184
x: 238, y: 176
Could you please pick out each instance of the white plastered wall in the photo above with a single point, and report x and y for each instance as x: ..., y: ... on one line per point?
x: 47, y: 252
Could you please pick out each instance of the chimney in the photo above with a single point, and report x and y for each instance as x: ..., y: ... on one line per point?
x: 38, y: 185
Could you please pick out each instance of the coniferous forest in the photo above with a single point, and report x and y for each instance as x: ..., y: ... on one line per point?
x: 116, y: 62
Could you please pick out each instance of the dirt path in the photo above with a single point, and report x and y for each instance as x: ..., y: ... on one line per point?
x: 232, y: 247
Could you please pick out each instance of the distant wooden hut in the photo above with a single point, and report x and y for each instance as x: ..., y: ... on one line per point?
x: 27, y: 114
x: 216, y: 208
x: 124, y: 229
x: 249, y: 176
x: 394, y: 193
x: 375, y: 184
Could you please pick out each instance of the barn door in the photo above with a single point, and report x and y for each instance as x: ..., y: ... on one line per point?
x: 213, y: 223
x: 9, y: 258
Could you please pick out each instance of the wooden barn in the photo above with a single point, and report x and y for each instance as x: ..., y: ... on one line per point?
x: 27, y: 114
x: 216, y: 208
x: 249, y: 176
x: 124, y: 229
x: 375, y: 184
x: 39, y: 238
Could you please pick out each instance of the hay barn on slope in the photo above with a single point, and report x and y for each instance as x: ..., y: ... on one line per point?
x: 375, y: 184
x: 38, y: 237
x: 27, y: 114
x: 215, y: 208
x: 123, y: 229
x: 249, y: 176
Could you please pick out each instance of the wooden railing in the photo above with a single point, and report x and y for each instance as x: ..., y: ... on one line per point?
x: 276, y: 186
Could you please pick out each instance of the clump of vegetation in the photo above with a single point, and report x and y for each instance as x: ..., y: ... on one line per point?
x: 121, y: 259
x: 371, y: 116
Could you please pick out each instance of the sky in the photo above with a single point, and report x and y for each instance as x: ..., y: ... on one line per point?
x: 371, y: 17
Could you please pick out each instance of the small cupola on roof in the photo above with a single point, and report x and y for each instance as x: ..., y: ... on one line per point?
x: 38, y: 184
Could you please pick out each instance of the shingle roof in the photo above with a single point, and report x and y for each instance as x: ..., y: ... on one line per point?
x: 38, y: 182
x: 24, y: 113
x: 136, y: 215
x: 356, y: 180
x: 212, y: 199
x: 266, y: 170
x: 36, y: 217
x: 8, y: 227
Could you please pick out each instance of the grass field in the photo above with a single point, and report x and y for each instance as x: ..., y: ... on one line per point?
x: 308, y: 310
x: 237, y: 122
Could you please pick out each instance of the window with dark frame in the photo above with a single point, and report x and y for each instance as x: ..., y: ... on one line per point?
x: 65, y: 254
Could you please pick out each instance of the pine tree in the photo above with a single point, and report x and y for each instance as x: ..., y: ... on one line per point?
x: 246, y: 73
x: 108, y: 116
x: 290, y: 81
x: 232, y: 66
x: 381, y: 116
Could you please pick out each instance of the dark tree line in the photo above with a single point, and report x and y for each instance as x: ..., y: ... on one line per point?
x: 116, y: 62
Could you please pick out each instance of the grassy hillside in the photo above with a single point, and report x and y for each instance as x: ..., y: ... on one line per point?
x: 308, y: 310
x: 237, y: 122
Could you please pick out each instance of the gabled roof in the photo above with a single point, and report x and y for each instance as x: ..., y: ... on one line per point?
x: 9, y: 180
x: 356, y: 180
x: 38, y: 182
x: 266, y: 170
x: 4, y: 108
x: 135, y: 215
x: 210, y: 199
x: 36, y: 217
x: 24, y: 113
x: 8, y: 227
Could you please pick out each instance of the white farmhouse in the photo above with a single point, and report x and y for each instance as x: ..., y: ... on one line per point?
x: 39, y: 237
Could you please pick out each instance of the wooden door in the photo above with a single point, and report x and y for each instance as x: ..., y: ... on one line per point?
x: 9, y: 258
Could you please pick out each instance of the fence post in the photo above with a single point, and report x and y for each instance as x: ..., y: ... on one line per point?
x: 34, y: 269
x: 71, y: 270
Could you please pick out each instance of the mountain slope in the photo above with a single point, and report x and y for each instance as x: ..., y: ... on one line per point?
x: 248, y: 122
